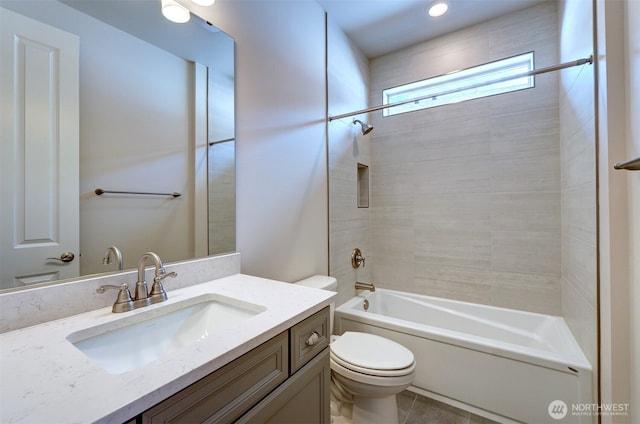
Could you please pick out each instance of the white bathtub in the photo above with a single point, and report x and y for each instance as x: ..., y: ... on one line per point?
x: 497, y: 362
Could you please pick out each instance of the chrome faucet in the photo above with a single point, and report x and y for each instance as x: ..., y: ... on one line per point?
x: 158, y: 294
x: 142, y: 297
x: 365, y: 286
x: 116, y: 253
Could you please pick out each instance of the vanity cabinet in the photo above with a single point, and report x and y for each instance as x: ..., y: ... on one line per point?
x: 302, y: 399
x: 284, y: 380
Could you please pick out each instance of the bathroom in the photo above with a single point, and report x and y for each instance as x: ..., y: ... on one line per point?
x: 280, y: 118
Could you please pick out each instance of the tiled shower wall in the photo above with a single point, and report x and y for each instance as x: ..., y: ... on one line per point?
x: 221, y: 197
x: 577, y: 146
x: 349, y: 227
x: 466, y: 198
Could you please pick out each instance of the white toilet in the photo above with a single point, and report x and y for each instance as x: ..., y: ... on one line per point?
x: 367, y: 371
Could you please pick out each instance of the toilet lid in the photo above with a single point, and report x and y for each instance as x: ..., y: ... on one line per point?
x: 364, y: 350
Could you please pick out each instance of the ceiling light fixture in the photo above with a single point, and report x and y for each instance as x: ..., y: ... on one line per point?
x: 175, y: 12
x: 204, y: 2
x: 437, y: 8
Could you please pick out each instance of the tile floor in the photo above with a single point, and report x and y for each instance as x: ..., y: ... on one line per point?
x: 416, y: 409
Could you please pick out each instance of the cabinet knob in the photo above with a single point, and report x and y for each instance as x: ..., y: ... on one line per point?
x: 313, y: 339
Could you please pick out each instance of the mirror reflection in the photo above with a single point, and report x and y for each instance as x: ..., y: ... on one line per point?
x: 135, y: 106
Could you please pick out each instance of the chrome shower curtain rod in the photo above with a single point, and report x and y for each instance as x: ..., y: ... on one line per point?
x: 579, y: 62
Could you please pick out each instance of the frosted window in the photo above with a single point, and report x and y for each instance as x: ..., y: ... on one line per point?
x: 471, y: 83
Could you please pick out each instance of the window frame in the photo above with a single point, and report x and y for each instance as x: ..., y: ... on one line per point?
x: 424, y: 86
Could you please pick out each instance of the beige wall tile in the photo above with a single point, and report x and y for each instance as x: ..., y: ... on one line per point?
x: 466, y: 191
x: 526, y: 171
x: 536, y: 129
x: 455, y: 282
x: 527, y: 211
x: 471, y: 174
x: 459, y: 247
x: 529, y: 298
x: 577, y: 141
x: 526, y: 252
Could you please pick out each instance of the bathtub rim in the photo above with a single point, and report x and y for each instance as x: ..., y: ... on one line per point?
x: 573, y: 362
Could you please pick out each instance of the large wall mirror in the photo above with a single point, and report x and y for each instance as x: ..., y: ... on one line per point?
x: 132, y: 104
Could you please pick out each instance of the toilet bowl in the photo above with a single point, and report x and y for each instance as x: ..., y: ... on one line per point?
x: 367, y: 371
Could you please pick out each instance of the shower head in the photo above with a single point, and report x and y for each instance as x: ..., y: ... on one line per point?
x: 366, y: 128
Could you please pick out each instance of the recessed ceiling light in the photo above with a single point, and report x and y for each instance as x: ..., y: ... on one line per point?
x: 437, y: 8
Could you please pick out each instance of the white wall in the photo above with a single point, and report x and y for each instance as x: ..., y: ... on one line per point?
x: 135, y: 135
x: 282, y: 217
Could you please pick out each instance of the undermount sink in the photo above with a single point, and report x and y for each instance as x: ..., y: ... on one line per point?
x: 130, y: 342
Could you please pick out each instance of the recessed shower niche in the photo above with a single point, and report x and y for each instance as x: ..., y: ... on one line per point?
x: 363, y: 186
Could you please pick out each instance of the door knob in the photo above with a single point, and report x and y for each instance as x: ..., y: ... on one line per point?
x: 64, y: 257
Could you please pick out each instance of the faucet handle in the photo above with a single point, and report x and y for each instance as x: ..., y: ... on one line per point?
x: 124, y: 302
x: 158, y: 294
x: 357, y: 258
x: 164, y: 275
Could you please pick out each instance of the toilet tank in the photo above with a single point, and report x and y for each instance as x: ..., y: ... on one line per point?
x: 323, y: 282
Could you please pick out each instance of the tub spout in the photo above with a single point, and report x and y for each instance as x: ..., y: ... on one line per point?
x: 365, y: 286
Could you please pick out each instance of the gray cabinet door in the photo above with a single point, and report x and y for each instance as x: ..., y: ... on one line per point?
x: 302, y: 399
x: 224, y: 395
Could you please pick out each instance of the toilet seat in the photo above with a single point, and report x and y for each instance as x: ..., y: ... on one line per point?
x: 372, y: 355
x: 373, y: 383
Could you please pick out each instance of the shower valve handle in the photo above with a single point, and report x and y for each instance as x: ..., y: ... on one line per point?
x: 357, y: 258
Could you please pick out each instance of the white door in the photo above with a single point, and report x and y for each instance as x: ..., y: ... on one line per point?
x: 39, y: 126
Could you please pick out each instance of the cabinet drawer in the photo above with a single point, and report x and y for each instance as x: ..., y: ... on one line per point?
x: 229, y: 392
x: 308, y: 338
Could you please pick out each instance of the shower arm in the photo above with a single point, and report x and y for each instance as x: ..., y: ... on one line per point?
x: 579, y: 62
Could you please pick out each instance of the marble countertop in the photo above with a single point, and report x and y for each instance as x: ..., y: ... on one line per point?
x: 45, y: 378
